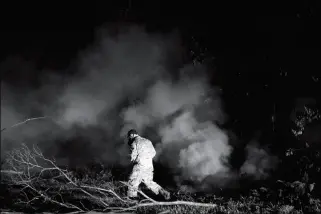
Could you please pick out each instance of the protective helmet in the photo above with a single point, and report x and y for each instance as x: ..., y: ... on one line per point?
x: 132, y: 131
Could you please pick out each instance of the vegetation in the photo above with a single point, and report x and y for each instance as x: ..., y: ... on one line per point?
x: 34, y: 183
x: 30, y: 182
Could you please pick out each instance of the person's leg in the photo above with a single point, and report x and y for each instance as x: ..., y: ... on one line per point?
x: 134, y: 181
x: 152, y: 185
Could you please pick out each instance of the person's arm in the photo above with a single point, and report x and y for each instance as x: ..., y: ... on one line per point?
x: 134, y: 152
x: 152, y: 151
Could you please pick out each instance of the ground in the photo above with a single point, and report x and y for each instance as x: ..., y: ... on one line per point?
x: 32, y: 183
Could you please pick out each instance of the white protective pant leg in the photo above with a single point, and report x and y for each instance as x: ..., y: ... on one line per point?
x: 141, y: 174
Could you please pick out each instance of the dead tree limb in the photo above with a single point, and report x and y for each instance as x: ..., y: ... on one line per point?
x: 25, y: 121
x: 171, y: 203
x: 25, y: 170
x: 10, y: 172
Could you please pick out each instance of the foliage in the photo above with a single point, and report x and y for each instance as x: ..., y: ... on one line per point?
x: 304, y: 118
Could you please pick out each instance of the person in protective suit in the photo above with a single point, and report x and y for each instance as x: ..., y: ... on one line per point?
x: 142, y: 154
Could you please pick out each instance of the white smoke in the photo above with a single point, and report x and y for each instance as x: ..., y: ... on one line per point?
x: 126, y: 81
x: 189, y: 143
x: 114, y: 68
x: 85, y: 106
x: 204, y: 157
x: 258, y: 162
x: 164, y: 98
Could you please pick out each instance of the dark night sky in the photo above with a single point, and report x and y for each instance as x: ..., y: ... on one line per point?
x: 249, y: 37
x: 251, y: 44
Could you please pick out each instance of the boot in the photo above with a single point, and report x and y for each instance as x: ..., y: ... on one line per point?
x: 165, y: 194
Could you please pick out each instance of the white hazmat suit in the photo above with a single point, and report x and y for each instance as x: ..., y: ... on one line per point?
x: 142, y: 154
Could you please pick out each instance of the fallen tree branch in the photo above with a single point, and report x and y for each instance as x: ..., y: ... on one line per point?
x: 160, y: 203
x: 164, y: 212
x: 11, y: 172
x: 170, y: 203
x: 25, y: 121
x: 105, y: 190
x: 25, y: 170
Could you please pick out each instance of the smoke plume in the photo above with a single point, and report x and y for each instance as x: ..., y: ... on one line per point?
x: 189, y: 142
x: 259, y: 162
x: 123, y: 81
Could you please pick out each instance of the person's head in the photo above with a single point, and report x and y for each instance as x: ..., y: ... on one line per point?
x: 132, y: 134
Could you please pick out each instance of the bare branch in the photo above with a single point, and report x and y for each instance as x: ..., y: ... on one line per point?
x: 23, y: 122
x: 25, y: 170
x: 171, y: 203
x: 11, y: 172
x: 164, y: 212
x: 105, y: 190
